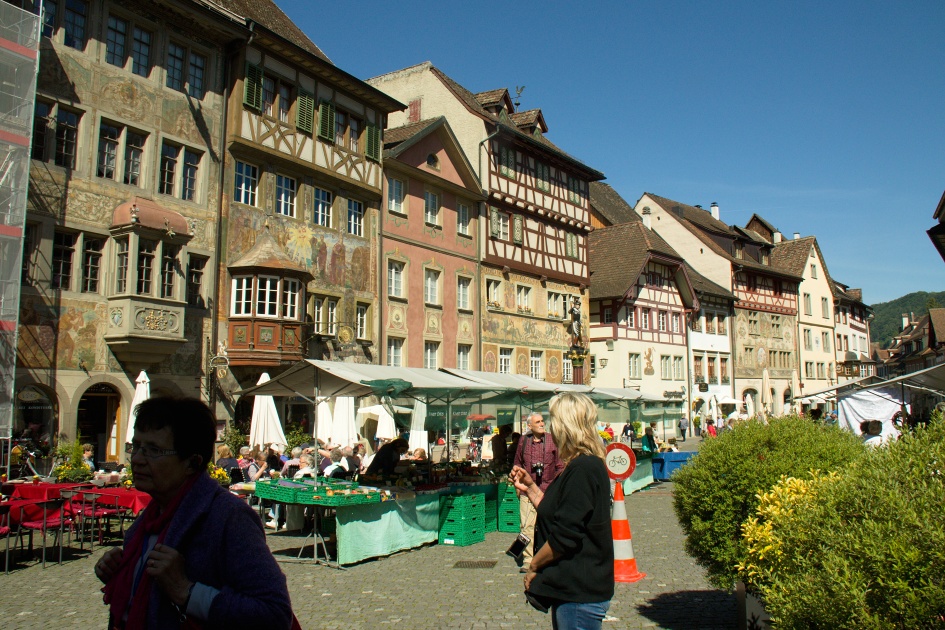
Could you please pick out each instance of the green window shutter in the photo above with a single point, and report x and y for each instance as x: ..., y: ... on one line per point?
x: 374, y: 143
x: 305, y: 112
x: 510, y: 164
x: 252, y: 87
x: 517, y: 229
x: 326, y: 121
x: 494, y: 221
x: 503, y: 159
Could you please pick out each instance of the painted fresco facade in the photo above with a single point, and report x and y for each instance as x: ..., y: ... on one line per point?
x: 122, y: 218
x: 535, y: 220
x: 430, y: 241
x: 304, y: 165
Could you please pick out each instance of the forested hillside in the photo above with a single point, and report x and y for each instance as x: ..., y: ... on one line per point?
x: 888, y: 315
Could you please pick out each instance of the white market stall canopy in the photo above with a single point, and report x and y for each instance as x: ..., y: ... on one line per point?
x: 310, y: 378
x: 930, y: 379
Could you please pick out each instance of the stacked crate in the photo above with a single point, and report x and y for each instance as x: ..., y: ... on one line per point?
x: 492, y: 514
x: 462, y: 519
x: 508, y: 516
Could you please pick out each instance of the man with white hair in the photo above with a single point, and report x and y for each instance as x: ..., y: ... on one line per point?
x: 538, y: 455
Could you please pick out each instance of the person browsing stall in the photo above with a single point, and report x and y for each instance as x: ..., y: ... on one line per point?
x: 197, y: 556
x: 572, y: 571
x: 537, y: 455
x: 386, y: 458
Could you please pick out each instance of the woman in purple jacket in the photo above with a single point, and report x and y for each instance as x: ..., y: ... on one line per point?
x: 198, y: 554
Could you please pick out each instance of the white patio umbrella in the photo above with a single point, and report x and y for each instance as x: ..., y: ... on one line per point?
x: 766, y: 402
x: 418, y: 433
x: 714, y: 410
x: 266, y: 427
x: 796, y: 393
x: 386, y: 429
x: 749, y: 405
x: 322, y: 420
x: 142, y: 393
x: 343, y: 431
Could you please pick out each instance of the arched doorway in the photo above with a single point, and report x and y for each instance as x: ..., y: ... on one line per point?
x: 98, y: 422
x: 35, y: 426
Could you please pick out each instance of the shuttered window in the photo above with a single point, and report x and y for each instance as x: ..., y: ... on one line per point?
x: 373, y: 151
x: 305, y: 112
x: 252, y: 87
x: 326, y: 121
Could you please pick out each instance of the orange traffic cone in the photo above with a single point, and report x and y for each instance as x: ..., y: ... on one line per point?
x: 625, y: 565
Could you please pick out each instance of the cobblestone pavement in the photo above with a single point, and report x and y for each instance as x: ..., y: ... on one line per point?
x: 418, y: 589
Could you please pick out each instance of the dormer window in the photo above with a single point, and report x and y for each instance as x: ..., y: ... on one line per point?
x: 737, y: 251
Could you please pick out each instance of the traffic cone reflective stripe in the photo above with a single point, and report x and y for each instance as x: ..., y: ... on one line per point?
x: 625, y: 564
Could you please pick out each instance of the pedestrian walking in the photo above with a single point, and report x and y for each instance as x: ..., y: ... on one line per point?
x: 683, y: 425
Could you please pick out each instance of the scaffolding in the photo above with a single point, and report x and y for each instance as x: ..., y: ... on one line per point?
x: 19, y: 56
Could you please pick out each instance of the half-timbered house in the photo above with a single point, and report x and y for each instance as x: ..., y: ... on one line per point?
x: 430, y: 249
x: 765, y: 321
x: 124, y: 199
x: 639, y: 312
x: 535, y: 227
x: 301, y: 191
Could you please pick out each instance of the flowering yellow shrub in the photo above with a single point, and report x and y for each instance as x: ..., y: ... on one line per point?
x: 218, y: 474
x: 760, y: 533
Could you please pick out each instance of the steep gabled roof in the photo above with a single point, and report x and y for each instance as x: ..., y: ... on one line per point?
x: 530, y: 118
x: 608, y: 202
x: 393, y: 137
x: 492, y: 98
x: 937, y: 323
x: 472, y: 103
x: 792, y: 256
x: 268, y: 14
x: 701, y: 284
x: 399, y: 140
x: 765, y: 224
x: 630, y: 243
x: 701, y: 223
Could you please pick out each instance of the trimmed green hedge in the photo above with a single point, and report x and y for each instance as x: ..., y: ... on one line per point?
x: 867, y: 550
x: 719, y: 489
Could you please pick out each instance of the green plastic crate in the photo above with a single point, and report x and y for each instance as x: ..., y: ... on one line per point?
x: 462, y: 501
x: 461, y: 538
x: 278, y: 490
x: 509, y: 523
x: 491, y: 515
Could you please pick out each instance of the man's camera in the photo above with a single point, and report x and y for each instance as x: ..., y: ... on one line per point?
x: 537, y: 469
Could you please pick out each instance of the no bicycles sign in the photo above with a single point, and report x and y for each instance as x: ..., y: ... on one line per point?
x: 620, y: 461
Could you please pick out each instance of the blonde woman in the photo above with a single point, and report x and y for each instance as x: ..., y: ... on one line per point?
x: 572, y: 571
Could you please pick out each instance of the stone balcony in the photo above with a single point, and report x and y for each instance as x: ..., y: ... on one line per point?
x: 144, y: 330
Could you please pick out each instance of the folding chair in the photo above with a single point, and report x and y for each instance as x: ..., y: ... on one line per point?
x: 5, y: 531
x: 54, y: 518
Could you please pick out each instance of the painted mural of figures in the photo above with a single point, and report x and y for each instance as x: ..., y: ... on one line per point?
x: 552, y: 332
x: 298, y: 243
x: 322, y: 256
x: 360, y: 268
x: 575, y: 327
x: 336, y: 271
x: 69, y: 320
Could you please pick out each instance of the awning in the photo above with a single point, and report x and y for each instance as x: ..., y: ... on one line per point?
x: 311, y: 377
x: 930, y: 379
x: 832, y: 388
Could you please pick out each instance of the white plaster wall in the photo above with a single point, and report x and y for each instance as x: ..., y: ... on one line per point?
x: 688, y: 245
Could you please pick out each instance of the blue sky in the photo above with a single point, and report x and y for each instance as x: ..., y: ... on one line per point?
x: 826, y: 118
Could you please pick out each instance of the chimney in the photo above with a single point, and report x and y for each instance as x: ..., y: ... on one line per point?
x: 905, y: 322
x: 797, y: 236
x: 776, y: 237
x: 714, y: 209
x: 647, y: 221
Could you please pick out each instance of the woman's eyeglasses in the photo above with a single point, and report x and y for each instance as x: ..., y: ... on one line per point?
x: 151, y: 452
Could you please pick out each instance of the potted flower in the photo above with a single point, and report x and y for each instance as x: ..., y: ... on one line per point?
x: 71, y: 467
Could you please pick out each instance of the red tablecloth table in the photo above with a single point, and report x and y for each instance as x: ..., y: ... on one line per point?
x: 129, y: 498
x: 43, y: 491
